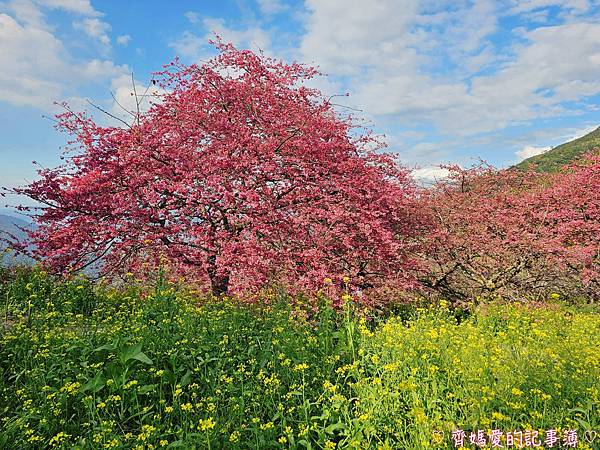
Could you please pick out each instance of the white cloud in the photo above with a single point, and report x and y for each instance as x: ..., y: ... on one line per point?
x: 557, y: 64
x: 27, y: 11
x: 193, y: 17
x: 193, y: 46
x: 31, y: 11
x: 346, y: 37
x: 386, y: 52
x: 37, y: 69
x: 390, y: 57
x: 414, y: 150
x: 270, y: 7
x: 382, y: 37
x: 94, y: 28
x: 188, y: 45
x: 528, y: 151
x: 520, y: 6
x: 254, y: 37
x: 32, y: 63
x: 123, y: 39
x: 83, y: 7
x: 430, y: 174
x: 97, y: 69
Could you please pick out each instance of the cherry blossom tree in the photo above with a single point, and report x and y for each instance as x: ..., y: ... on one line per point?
x: 568, y: 206
x: 510, y: 233
x: 239, y: 176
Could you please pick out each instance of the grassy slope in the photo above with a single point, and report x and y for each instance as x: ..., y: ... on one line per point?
x: 553, y: 159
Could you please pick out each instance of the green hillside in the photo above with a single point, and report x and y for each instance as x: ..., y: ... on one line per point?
x: 553, y: 159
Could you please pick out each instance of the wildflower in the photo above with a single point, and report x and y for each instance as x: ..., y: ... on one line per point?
x: 517, y: 391
x: 112, y: 444
x: 207, y: 424
x: 131, y: 384
x: 301, y: 367
x: 267, y: 426
x: 433, y: 334
x: 498, y: 416
x: 147, y: 431
x: 59, y: 438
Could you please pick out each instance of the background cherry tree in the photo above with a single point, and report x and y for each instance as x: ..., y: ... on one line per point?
x: 514, y: 233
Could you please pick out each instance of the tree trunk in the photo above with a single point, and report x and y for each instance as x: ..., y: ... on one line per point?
x: 219, y: 283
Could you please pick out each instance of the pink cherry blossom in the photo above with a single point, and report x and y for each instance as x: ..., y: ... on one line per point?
x: 240, y: 177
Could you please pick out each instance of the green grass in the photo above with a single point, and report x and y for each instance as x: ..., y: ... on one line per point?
x: 87, y: 366
x: 554, y: 159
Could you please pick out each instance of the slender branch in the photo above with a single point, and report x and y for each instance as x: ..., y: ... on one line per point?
x: 109, y: 114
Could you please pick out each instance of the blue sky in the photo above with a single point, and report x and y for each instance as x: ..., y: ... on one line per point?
x: 445, y: 81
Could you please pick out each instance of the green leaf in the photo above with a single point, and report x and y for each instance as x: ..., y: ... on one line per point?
x: 108, y: 347
x: 333, y: 427
x: 141, y: 356
x: 147, y: 388
x: 95, y: 384
x: 129, y: 352
x: 305, y: 443
x: 185, y: 380
x: 134, y: 352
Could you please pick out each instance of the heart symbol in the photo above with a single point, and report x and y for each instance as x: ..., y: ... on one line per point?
x: 590, y: 435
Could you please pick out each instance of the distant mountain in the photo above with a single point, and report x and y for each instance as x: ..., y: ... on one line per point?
x: 554, y: 159
x: 12, y: 225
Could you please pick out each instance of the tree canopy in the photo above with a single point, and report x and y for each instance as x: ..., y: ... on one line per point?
x: 240, y: 176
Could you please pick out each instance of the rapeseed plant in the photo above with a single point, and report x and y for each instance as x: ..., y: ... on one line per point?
x: 86, y: 366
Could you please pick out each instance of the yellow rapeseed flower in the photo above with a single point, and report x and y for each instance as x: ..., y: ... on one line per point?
x: 206, y: 424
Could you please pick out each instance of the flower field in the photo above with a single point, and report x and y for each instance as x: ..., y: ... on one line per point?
x: 87, y: 366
